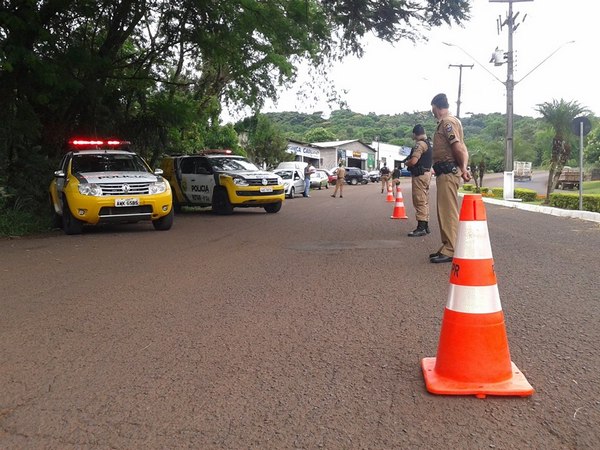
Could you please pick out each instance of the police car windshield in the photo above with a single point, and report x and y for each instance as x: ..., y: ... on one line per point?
x: 226, y: 164
x: 106, y: 162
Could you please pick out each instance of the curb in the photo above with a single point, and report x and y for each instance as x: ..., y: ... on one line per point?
x: 574, y: 214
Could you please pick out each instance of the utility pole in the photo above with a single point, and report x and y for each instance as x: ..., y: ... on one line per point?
x: 509, y: 180
x: 460, y: 68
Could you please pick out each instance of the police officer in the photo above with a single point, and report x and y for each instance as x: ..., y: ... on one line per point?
x: 450, y: 158
x: 419, y: 163
x: 384, y: 173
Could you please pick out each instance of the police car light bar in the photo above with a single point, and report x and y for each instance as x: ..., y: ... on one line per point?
x: 87, y: 142
x: 216, y: 152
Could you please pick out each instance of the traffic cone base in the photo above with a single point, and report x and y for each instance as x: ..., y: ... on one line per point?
x: 516, y: 385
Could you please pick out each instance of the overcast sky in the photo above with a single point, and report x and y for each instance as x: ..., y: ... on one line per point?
x: 392, y: 79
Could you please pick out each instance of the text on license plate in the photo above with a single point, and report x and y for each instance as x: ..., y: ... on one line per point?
x: 127, y: 202
x: 266, y: 189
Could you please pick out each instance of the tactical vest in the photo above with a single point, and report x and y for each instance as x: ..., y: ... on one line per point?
x: 426, y: 158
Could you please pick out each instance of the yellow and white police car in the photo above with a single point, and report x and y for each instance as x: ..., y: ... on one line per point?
x: 223, y: 181
x: 100, y: 181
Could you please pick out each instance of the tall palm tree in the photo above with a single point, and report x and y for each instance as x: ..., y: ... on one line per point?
x: 559, y: 114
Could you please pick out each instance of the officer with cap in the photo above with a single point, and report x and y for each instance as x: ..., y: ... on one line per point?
x: 419, y: 163
x: 450, y: 158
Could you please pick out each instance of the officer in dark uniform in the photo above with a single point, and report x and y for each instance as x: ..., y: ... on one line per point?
x: 419, y: 163
x: 450, y: 158
x: 384, y: 173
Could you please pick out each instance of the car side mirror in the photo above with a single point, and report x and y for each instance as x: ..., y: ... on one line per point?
x: 59, y: 174
x: 158, y: 172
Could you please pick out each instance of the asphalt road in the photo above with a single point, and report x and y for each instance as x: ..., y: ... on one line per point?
x: 302, y: 329
x: 538, y: 182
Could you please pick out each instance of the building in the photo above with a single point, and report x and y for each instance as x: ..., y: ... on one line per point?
x: 305, y: 152
x: 328, y: 155
x: 391, y: 155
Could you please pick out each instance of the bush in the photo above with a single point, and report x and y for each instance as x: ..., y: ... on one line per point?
x: 591, y: 202
x: 15, y: 222
x: 527, y: 195
x: 469, y: 187
x: 497, y: 192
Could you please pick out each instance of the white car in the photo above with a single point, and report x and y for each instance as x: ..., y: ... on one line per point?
x: 319, y: 179
x: 293, y: 181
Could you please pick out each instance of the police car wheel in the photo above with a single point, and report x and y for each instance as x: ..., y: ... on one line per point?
x: 56, y: 220
x: 164, y: 223
x: 70, y: 224
x: 220, y: 203
x: 176, y: 205
x: 272, y: 208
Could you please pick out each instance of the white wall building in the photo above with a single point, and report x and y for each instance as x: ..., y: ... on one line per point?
x: 391, y: 155
x: 327, y: 155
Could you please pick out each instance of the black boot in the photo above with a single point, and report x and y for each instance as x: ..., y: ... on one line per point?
x: 421, y: 230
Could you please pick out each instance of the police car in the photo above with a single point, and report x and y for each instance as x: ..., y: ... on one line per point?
x: 222, y: 181
x: 100, y: 181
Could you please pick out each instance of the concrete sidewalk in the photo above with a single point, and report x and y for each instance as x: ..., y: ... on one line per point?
x: 575, y: 214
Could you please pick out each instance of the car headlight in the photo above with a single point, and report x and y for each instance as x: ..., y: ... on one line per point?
x: 158, y: 188
x: 286, y: 184
x: 279, y: 180
x: 239, y: 181
x: 90, y: 189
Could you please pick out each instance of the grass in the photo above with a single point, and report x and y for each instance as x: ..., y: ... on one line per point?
x: 591, y: 187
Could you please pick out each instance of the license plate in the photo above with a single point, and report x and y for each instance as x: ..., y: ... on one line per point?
x: 127, y: 202
x: 266, y: 189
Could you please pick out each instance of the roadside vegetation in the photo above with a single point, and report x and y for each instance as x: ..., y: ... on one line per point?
x: 563, y: 199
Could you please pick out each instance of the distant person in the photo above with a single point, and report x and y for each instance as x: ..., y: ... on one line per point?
x: 384, y: 173
x: 450, y: 159
x: 419, y: 163
x: 396, y: 174
x: 308, y: 171
x: 339, y: 180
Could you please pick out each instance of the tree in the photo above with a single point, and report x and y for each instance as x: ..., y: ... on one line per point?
x: 266, y: 144
x: 559, y: 114
x: 591, y: 151
x: 160, y: 70
x: 319, y: 134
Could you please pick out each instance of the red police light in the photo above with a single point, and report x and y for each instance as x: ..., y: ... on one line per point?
x: 94, y: 144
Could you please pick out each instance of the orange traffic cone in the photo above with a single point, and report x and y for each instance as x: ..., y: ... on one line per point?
x: 390, y: 194
x: 399, y: 211
x: 473, y: 356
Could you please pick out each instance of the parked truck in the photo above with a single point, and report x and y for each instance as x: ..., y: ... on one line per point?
x: 568, y: 179
x: 522, y: 170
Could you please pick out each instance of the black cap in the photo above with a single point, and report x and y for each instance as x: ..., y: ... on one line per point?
x: 418, y: 130
x: 441, y: 101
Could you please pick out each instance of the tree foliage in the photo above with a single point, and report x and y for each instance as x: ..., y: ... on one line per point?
x: 158, y: 72
x: 266, y: 143
x: 559, y: 114
x: 484, y: 133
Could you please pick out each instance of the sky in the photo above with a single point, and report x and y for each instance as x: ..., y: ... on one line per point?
x: 404, y: 77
